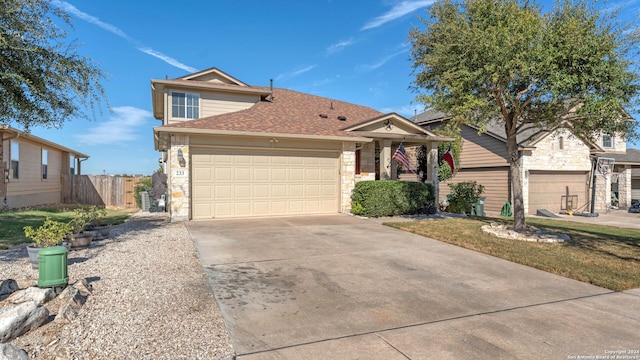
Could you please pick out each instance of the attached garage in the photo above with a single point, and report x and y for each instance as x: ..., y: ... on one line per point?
x: 557, y: 190
x: 230, y: 183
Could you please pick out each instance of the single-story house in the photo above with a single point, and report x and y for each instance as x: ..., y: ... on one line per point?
x: 557, y: 167
x: 33, y: 168
x: 235, y: 150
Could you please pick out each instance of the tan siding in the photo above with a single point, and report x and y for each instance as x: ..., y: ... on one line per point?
x: 217, y: 103
x: 494, y: 180
x: 30, y: 189
x: 481, y: 150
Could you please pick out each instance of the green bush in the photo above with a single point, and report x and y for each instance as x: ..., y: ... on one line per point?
x: 388, y: 198
x: 144, y: 184
x: 464, y: 194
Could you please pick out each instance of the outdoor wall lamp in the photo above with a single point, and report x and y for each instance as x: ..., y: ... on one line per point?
x: 181, y: 159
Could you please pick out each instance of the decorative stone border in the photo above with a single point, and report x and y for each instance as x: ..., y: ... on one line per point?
x: 532, y: 234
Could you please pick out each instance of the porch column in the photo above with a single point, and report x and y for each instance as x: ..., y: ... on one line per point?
x: 385, y: 160
x: 178, y: 178
x: 432, y: 169
x: 624, y: 187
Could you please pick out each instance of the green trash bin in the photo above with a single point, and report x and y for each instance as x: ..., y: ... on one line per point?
x: 477, y: 208
x: 52, y: 267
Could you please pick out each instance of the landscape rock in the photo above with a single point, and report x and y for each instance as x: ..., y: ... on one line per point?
x: 19, y: 319
x: 11, y: 352
x: 72, y: 295
x: 531, y: 234
x: 67, y: 313
x: 8, y: 287
x: 83, y: 287
x: 36, y: 294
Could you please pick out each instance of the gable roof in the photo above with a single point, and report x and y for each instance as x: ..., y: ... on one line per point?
x: 294, y: 114
x: 630, y: 157
x: 21, y: 134
x: 526, y: 138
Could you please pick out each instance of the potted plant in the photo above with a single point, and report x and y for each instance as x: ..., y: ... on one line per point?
x: 100, y: 228
x: 81, y: 237
x: 50, y: 233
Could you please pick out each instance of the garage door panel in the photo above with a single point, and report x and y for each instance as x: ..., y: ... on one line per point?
x: 242, y: 174
x: 222, y: 174
x: 245, y: 183
x: 204, y: 209
x: 223, y: 191
x: 202, y: 174
x: 203, y: 192
x: 279, y: 174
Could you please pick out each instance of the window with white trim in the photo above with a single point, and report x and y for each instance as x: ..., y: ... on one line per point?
x: 45, y: 161
x: 15, y: 160
x: 185, y: 105
x: 607, y: 141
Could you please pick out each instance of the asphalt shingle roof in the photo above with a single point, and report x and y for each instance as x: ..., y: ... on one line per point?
x: 290, y: 112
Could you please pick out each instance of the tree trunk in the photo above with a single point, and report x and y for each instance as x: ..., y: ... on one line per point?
x: 3, y: 181
x: 516, y: 183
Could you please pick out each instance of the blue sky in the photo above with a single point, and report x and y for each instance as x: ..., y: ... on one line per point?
x: 355, y: 50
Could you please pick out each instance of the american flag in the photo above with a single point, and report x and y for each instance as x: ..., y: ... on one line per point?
x: 401, y: 157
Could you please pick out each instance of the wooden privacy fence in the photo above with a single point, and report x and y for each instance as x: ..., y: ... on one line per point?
x: 104, y: 190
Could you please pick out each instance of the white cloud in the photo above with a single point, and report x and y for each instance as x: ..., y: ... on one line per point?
x: 295, y: 73
x: 90, y: 19
x: 334, y: 48
x: 116, y: 31
x: 167, y: 59
x: 123, y: 126
x: 397, y: 11
x: 386, y: 59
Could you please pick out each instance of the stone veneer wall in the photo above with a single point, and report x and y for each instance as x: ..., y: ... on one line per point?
x: 179, y: 179
x: 624, y: 187
x: 574, y: 156
x: 347, y: 175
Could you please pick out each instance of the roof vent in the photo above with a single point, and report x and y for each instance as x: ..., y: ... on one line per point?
x: 342, y: 118
x: 324, y: 116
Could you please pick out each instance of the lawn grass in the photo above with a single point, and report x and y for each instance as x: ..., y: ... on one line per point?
x: 13, y: 222
x: 605, y: 256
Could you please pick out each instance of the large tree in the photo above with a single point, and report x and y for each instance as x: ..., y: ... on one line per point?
x: 43, y: 79
x: 507, y: 61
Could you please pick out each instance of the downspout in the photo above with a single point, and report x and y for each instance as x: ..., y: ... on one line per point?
x: 80, y: 160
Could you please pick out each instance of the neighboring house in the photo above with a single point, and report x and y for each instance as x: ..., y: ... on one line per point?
x: 234, y: 150
x: 557, y: 167
x: 33, y: 169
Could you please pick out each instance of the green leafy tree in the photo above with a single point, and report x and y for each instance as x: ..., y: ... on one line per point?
x: 507, y: 61
x: 43, y: 79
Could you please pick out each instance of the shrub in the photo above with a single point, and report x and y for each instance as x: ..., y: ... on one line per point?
x: 387, y: 198
x: 50, y: 233
x: 144, y: 184
x: 464, y: 194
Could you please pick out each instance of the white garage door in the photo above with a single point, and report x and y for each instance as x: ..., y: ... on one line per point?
x: 558, y: 190
x: 246, y: 183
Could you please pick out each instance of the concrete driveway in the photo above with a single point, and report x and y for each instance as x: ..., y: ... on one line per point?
x: 340, y: 287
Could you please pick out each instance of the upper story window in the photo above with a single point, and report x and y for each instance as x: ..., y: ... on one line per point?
x: 45, y: 161
x: 15, y: 160
x: 607, y: 141
x: 185, y: 105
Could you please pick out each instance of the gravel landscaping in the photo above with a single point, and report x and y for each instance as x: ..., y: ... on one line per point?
x: 150, y: 299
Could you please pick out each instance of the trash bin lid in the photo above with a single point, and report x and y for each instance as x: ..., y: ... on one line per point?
x: 53, y: 250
